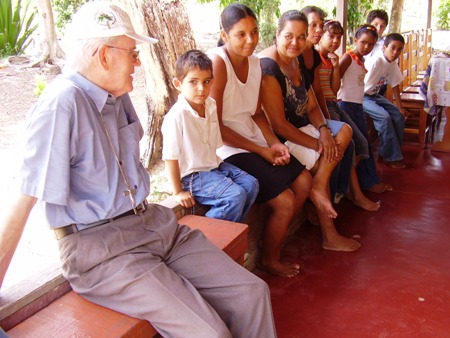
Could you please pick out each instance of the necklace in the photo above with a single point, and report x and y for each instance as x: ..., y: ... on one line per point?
x: 130, y: 192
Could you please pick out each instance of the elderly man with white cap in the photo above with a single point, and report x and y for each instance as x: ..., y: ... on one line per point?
x: 81, y: 163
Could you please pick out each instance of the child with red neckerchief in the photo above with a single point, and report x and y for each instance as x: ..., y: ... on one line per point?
x: 350, y: 98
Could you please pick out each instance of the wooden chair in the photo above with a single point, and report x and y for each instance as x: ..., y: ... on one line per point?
x: 404, y: 64
x: 422, y: 57
x: 413, y: 59
x: 418, y: 121
x: 428, y: 47
x: 426, y: 50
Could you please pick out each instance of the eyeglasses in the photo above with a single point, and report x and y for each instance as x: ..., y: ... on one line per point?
x: 133, y: 52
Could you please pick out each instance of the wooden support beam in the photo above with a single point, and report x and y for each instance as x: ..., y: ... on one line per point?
x: 341, y: 15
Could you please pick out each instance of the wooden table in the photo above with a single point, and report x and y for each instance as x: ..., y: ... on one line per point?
x: 435, y: 89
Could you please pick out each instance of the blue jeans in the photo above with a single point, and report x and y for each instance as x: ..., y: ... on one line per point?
x: 339, y: 114
x: 229, y: 191
x: 389, y: 123
x: 366, y: 168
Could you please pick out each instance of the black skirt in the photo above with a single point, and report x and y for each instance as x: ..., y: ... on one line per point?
x: 273, y: 180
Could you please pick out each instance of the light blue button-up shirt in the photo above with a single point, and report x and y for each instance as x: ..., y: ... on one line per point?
x: 69, y: 164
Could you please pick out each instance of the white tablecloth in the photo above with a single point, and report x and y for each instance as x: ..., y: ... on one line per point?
x: 435, y: 87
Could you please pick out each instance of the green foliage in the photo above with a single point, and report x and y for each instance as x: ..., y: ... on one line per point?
x: 443, y: 15
x: 6, y: 50
x: 267, y: 13
x: 16, y: 26
x: 40, y: 85
x: 357, y: 14
x: 65, y: 10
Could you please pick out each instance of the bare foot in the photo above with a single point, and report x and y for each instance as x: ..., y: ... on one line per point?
x: 380, y: 188
x: 322, y: 203
x: 279, y: 269
x: 366, y: 204
x: 341, y: 243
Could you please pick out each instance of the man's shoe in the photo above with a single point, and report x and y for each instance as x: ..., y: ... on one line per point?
x: 395, y: 164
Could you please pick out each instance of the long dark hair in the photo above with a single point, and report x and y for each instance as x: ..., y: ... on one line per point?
x: 231, y: 15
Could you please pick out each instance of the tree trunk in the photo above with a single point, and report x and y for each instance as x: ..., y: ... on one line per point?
x: 51, y: 52
x: 167, y: 21
x: 395, y: 24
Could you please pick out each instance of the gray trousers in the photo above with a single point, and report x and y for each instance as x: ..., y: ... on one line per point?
x: 149, y: 267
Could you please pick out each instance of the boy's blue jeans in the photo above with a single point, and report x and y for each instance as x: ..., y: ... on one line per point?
x: 389, y: 123
x: 366, y: 168
x: 229, y: 191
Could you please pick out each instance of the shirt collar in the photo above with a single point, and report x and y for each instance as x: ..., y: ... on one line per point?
x: 208, y: 105
x: 98, y: 95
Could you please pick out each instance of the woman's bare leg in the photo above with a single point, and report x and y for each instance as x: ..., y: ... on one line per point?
x: 283, y: 208
x: 322, y: 173
x: 358, y: 197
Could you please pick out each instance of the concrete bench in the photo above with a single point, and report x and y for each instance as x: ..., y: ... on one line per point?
x: 72, y: 316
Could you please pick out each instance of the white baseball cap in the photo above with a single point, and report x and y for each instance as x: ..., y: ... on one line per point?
x: 100, y: 19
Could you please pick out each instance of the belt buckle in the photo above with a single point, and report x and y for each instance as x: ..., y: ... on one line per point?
x: 139, y: 208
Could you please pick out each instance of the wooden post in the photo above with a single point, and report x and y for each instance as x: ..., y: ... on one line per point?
x: 341, y: 15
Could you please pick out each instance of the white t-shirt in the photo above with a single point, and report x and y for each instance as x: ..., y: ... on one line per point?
x: 239, y: 103
x: 191, y: 139
x: 380, y: 72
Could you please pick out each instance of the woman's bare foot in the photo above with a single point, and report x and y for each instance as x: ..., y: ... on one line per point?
x: 380, y: 188
x: 278, y: 268
x: 366, y: 204
x: 341, y: 243
x: 322, y: 203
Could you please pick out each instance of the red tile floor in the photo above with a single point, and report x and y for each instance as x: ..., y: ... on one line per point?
x: 397, y: 284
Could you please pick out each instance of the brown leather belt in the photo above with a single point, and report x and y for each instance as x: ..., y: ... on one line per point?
x: 74, y: 228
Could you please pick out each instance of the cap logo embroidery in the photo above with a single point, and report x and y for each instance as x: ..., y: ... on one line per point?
x: 105, y: 19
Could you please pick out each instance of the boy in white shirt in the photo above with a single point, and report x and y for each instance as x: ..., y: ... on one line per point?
x: 389, y: 119
x: 379, y: 19
x: 191, y: 136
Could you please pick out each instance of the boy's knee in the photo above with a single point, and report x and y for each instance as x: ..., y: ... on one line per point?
x: 237, y: 195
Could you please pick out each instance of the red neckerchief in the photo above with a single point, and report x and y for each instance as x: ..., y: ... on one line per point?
x: 326, y: 61
x: 356, y: 58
